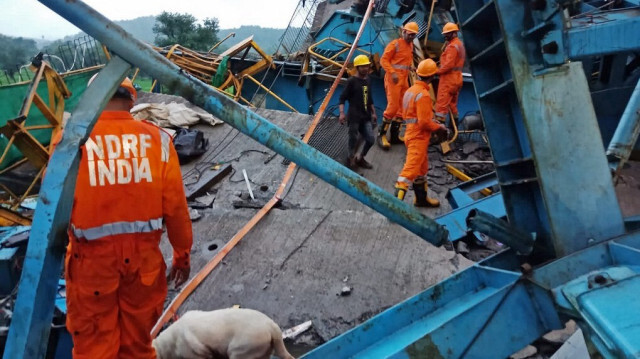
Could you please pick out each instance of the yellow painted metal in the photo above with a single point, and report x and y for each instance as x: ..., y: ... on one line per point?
x: 19, y: 135
x: 463, y: 177
x: 204, y: 66
x: 332, y: 64
x: 233, y: 34
x: 107, y: 55
x: 11, y: 218
x: 28, y: 191
x: 270, y: 92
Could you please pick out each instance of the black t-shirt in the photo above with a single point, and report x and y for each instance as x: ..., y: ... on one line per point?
x: 358, y: 93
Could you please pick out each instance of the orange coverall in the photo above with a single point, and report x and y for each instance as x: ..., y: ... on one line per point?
x: 451, y: 62
x: 418, y: 116
x: 397, y: 58
x: 128, y: 181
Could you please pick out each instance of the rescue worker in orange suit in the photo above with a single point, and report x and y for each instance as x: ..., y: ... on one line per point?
x: 128, y: 182
x: 397, y: 61
x: 417, y: 109
x: 451, y: 63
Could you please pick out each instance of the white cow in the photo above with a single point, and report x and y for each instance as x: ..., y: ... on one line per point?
x: 225, y: 333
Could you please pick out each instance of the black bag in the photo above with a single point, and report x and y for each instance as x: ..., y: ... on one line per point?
x: 189, y: 144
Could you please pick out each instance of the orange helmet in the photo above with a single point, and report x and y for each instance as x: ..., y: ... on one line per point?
x: 449, y: 27
x: 125, y: 86
x: 427, y: 68
x: 411, y: 27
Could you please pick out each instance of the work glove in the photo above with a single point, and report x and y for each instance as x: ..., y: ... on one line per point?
x: 179, y: 275
x: 440, y: 135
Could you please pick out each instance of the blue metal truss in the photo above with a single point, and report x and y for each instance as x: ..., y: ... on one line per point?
x: 555, y: 182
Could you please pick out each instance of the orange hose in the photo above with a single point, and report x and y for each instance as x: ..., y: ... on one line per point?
x: 194, y: 282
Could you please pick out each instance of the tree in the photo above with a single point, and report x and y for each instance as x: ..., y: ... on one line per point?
x: 16, y: 51
x: 183, y: 29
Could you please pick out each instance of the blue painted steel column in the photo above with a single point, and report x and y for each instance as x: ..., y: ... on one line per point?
x: 627, y: 131
x: 249, y: 123
x: 33, y: 311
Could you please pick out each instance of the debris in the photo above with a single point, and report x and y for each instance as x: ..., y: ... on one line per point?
x: 462, y: 247
x: 574, y: 347
x: 346, y: 290
x: 345, y: 279
x: 206, y: 200
x: 470, y: 147
x: 525, y: 352
x: 194, y: 215
x: 29, y: 202
x: 265, y: 286
x: 561, y: 335
x: 246, y: 179
x: 257, y: 204
x: 172, y: 115
x: 293, y: 332
x: 205, y: 180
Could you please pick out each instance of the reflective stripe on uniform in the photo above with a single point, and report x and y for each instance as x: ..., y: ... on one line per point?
x: 456, y: 69
x: 408, y: 97
x: 397, y: 46
x: 441, y: 114
x: 460, y: 50
x: 404, y: 180
x: 401, y: 67
x: 115, y: 228
x: 409, y: 121
x: 166, y: 139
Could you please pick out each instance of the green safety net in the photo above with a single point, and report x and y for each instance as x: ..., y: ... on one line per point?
x: 11, y: 98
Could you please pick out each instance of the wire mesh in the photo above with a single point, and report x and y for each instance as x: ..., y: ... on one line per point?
x: 297, y: 32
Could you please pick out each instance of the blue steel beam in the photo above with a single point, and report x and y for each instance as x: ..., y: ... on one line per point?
x: 599, y: 34
x: 33, y: 311
x: 460, y: 317
x: 251, y: 124
x: 627, y: 131
x: 577, y: 201
x: 464, y: 315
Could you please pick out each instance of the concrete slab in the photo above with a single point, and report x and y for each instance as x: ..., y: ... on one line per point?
x: 295, y: 262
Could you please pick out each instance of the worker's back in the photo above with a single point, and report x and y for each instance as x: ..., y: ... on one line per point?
x: 125, y: 184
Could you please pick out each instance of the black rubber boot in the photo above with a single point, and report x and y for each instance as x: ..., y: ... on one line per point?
x: 394, y: 133
x: 422, y: 199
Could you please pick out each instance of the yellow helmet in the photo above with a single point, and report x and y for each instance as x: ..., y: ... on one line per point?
x: 361, y: 60
x: 427, y: 68
x: 449, y: 27
x: 411, y: 27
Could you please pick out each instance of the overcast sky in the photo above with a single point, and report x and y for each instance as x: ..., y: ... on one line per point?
x: 29, y: 18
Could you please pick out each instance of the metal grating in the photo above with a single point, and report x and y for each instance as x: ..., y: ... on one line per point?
x: 330, y: 138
